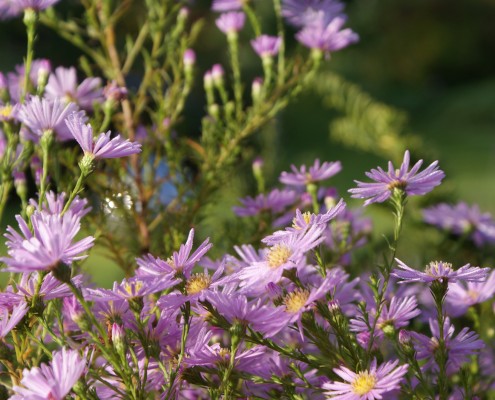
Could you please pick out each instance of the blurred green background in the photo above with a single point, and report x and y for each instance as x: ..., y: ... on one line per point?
x: 432, y: 59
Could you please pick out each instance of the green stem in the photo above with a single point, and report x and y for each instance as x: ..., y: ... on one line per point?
x: 75, y: 191
x: 236, y: 70
x: 30, y: 20
x: 253, y: 19
x: 281, y: 34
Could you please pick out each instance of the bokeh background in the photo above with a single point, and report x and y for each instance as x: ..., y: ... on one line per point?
x: 432, y: 61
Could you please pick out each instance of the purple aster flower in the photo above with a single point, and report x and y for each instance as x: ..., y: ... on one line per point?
x: 231, y: 22
x: 288, y: 253
x: 43, y: 115
x: 327, y: 36
x: 461, y: 296
x: 235, y: 308
x: 315, y: 173
x: 227, y: 5
x: 102, y: 146
x: 275, y: 202
x: 53, y: 381
x: 55, y: 204
x: 8, y: 322
x: 50, y: 243
x: 132, y: 288
x: 181, y: 262
x: 410, y: 181
x: 301, y: 13
x: 461, y: 219
x: 440, y: 271
x: 303, y: 221
x: 62, y: 83
x: 459, y: 348
x: 37, y: 5
x: 370, y: 384
x: 266, y: 46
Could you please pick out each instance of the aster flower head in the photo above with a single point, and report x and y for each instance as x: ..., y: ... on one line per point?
x: 302, y: 13
x: 461, y: 296
x: 287, y: 253
x: 304, y: 176
x: 266, y: 46
x: 232, y: 22
x: 370, y: 384
x: 227, y: 5
x: 42, y: 115
x: 63, y: 84
x: 327, y: 36
x: 181, y: 262
x: 275, y: 201
x: 411, y: 182
x: 8, y: 321
x: 50, y: 243
x: 53, y: 381
x: 440, y: 271
x: 102, y: 146
x: 459, y: 347
x: 462, y: 219
x: 55, y: 204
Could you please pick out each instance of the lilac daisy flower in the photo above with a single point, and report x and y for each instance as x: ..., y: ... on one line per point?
x: 459, y: 348
x: 266, y: 46
x: 275, y: 202
x: 440, y: 271
x: 327, y: 36
x: 102, y: 146
x: 55, y: 204
x: 462, y: 219
x: 230, y: 23
x: 181, y: 262
x: 226, y: 5
x: 461, y: 296
x: 370, y: 384
x: 62, y: 83
x: 8, y: 322
x: 409, y: 181
x: 235, y: 308
x: 53, y: 381
x: 315, y: 173
x: 288, y: 253
x: 50, y: 243
x: 301, y: 13
x: 303, y: 221
x: 43, y: 115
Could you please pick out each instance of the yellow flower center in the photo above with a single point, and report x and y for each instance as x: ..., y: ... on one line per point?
x: 278, y: 255
x: 197, y: 283
x: 171, y: 262
x: 473, y: 295
x: 434, y: 270
x: 133, y: 288
x: 296, y: 300
x: 397, y: 184
x: 307, y: 218
x: 363, y: 383
x: 6, y: 111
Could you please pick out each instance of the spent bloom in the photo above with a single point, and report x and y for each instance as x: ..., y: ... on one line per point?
x: 304, y: 176
x: 266, y: 46
x: 232, y: 22
x: 53, y: 381
x: 366, y: 385
x: 410, y: 181
x: 102, y: 146
x: 462, y: 219
x: 440, y: 271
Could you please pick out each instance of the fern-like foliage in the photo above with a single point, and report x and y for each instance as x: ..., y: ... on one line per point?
x: 365, y: 123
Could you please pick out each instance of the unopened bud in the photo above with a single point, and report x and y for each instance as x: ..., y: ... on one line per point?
x: 87, y: 164
x: 118, y: 338
x: 256, y: 89
x: 217, y: 74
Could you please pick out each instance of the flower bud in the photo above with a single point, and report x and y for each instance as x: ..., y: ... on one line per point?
x: 118, y: 338
x: 256, y: 89
x: 217, y: 74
